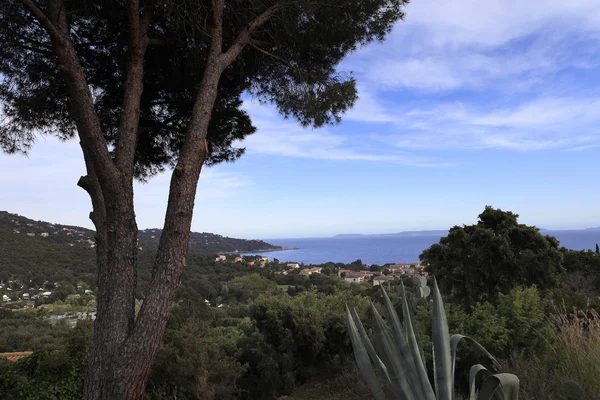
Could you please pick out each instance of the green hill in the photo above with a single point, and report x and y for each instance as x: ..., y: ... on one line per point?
x: 69, y: 235
x: 39, y: 251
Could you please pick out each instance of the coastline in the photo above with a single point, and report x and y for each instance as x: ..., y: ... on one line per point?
x: 260, y: 250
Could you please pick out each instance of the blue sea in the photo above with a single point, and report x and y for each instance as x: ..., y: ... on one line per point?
x: 391, y: 249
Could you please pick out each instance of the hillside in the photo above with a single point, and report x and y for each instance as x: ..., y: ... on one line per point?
x: 39, y: 251
x: 73, y: 236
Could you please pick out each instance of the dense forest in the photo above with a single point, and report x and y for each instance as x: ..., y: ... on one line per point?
x: 238, y: 331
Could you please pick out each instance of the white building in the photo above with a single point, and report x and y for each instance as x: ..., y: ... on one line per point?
x: 293, y: 265
x: 354, y: 277
x: 380, y: 280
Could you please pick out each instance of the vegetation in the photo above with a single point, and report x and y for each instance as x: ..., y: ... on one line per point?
x: 474, y: 263
x: 401, y: 360
x: 239, y: 331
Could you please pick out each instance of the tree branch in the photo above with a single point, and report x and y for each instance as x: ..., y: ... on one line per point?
x: 54, y: 21
x: 130, y: 108
x: 253, y: 44
x: 243, y: 38
x: 44, y: 21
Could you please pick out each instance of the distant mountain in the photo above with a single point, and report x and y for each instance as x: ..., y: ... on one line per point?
x: 148, y: 239
x: 597, y: 228
x: 404, y: 233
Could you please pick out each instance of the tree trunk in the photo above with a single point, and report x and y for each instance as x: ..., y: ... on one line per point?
x: 116, y: 262
x: 123, y: 347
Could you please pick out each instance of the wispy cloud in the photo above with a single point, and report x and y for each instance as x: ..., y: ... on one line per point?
x: 543, y: 123
x: 279, y: 137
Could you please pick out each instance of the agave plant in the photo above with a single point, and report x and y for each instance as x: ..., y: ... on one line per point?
x: 398, y: 357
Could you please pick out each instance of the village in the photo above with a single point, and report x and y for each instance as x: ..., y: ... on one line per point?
x: 388, y: 272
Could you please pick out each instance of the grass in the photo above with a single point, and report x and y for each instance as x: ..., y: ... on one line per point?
x: 571, y: 368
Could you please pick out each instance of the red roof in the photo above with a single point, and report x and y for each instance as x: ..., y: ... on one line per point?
x: 16, y: 355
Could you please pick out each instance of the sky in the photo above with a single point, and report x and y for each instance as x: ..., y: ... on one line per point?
x: 466, y: 104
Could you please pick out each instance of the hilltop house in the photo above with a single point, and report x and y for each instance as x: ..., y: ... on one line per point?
x: 221, y: 258
x: 380, y: 280
x: 409, y: 269
x: 264, y: 259
x: 293, y: 265
x: 354, y: 277
x: 365, y: 274
x: 238, y: 259
x: 310, y: 271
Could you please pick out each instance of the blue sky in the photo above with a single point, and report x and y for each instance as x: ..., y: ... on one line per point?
x: 467, y: 103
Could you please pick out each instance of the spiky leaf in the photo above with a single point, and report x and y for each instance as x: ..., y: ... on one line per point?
x: 442, y: 363
x: 362, y: 358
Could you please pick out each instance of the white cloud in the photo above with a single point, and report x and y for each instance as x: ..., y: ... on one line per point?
x: 279, y: 137
x: 493, y: 22
x: 563, y: 123
x: 505, y: 45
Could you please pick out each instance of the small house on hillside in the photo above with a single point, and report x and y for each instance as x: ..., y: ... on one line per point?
x: 264, y: 259
x: 380, y: 280
x: 310, y: 271
x: 221, y: 258
x: 353, y: 277
x: 293, y: 265
x: 238, y: 260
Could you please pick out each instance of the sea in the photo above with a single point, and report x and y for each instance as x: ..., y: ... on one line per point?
x: 391, y: 248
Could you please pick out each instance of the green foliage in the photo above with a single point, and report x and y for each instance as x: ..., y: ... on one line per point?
x: 53, y: 373
x: 583, y: 270
x: 291, y: 338
x: 197, y: 362
x: 526, y: 319
x: 400, y: 359
x: 248, y: 287
x: 26, y: 331
x: 473, y: 263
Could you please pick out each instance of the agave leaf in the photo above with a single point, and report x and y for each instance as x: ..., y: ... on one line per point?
x: 369, y: 346
x: 388, y: 351
x: 442, y: 364
x: 425, y: 291
x: 362, y: 358
x: 406, y: 355
x: 475, y: 370
x: 455, y: 339
x: 500, y: 387
x: 415, y: 348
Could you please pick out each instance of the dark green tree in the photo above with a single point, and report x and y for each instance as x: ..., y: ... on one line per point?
x: 476, y: 262
x: 154, y: 83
